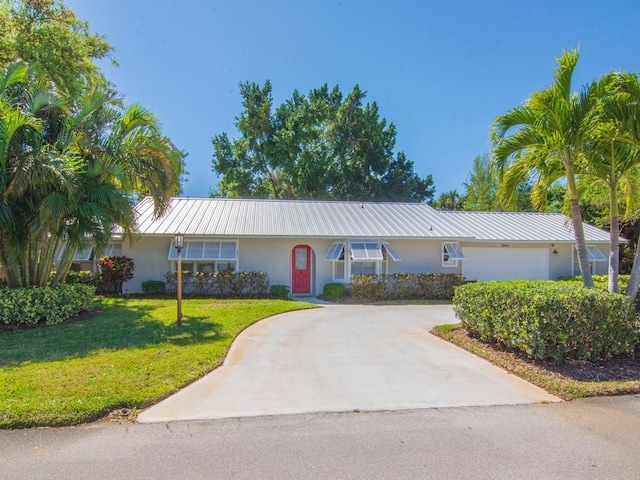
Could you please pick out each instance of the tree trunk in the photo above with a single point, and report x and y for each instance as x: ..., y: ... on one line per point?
x: 634, y: 278
x: 63, y: 266
x: 578, y: 231
x: 614, y: 240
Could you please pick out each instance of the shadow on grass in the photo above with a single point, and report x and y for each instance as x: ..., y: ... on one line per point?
x: 120, y: 326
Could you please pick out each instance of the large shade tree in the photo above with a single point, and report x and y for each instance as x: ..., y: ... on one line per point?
x: 316, y: 146
x: 70, y: 168
x: 543, y: 139
x: 48, y: 34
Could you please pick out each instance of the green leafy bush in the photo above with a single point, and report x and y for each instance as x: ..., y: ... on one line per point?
x: 602, y: 281
x: 332, y: 292
x: 114, y: 271
x: 224, y: 283
x: 548, y: 320
x: 280, y: 291
x: 401, y: 286
x: 153, y: 287
x: 34, y: 305
x: 84, y: 277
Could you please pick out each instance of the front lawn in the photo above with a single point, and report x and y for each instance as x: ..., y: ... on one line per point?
x: 129, y: 356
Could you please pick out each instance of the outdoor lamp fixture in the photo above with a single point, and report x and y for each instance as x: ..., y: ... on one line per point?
x: 179, y: 244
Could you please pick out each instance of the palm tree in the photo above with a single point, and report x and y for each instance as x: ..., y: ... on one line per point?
x: 69, y: 169
x: 612, y: 160
x: 543, y: 139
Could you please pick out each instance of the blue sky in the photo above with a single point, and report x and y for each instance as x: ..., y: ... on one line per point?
x: 441, y: 71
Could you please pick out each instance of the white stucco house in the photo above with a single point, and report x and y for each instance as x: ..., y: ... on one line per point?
x: 306, y: 244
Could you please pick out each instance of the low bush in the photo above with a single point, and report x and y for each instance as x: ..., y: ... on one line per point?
x: 548, y: 320
x: 34, y: 305
x: 280, y: 291
x: 333, y: 292
x: 225, y: 283
x: 153, y: 287
x: 403, y: 286
x: 84, y: 277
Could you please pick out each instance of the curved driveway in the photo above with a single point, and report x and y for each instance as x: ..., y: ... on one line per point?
x: 344, y: 358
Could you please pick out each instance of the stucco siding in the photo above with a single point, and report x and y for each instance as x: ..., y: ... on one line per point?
x: 150, y: 258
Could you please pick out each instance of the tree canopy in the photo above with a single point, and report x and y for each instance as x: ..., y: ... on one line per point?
x: 69, y: 167
x: 316, y: 146
x: 47, y: 34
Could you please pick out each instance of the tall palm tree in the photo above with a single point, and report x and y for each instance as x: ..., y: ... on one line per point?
x: 543, y: 139
x: 611, y: 158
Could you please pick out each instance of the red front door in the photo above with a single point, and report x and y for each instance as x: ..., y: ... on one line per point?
x: 301, y: 269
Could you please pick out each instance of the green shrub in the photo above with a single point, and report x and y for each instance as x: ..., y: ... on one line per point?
x: 402, y: 286
x: 602, y: 281
x: 280, y: 291
x: 224, y: 283
x: 332, y: 292
x: 548, y: 320
x: 84, y: 277
x: 33, y: 305
x: 153, y: 287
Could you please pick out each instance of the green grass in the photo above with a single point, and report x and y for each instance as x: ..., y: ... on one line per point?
x: 129, y: 356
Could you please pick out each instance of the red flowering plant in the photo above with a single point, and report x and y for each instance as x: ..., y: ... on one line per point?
x: 114, y: 271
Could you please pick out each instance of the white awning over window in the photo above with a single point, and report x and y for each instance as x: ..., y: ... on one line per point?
x: 205, y: 250
x: 391, y: 253
x: 112, y: 250
x: 365, y: 250
x: 595, y: 254
x: 336, y: 250
x: 454, y: 250
x: 84, y: 253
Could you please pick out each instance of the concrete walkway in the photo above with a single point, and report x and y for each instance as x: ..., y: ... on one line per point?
x: 345, y: 358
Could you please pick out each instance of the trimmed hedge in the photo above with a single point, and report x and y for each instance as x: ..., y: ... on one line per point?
x: 33, y: 305
x: 602, y: 281
x: 280, y: 291
x: 548, y: 320
x: 84, y: 277
x: 332, y: 292
x: 402, y: 286
x: 153, y: 287
x: 225, y: 283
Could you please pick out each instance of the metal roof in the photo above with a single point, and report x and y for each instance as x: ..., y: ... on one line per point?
x: 521, y: 227
x: 221, y: 217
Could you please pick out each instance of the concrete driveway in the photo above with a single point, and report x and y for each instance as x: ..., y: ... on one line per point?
x: 345, y: 358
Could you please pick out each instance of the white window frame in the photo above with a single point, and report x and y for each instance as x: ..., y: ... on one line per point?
x: 594, y: 255
x: 451, y: 254
x: 366, y: 250
x: 111, y: 246
x: 193, y: 261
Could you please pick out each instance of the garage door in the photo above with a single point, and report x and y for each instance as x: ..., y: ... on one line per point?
x: 505, y: 263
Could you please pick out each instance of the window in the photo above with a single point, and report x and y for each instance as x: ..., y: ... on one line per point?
x: 451, y: 254
x: 204, y: 250
x: 365, y: 256
x: 206, y: 256
x: 368, y: 250
x: 112, y: 250
x: 594, y: 254
x: 365, y: 268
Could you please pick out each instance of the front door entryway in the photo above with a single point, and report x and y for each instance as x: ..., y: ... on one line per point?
x: 301, y: 269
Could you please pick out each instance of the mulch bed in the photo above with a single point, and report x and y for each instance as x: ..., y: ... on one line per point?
x: 623, y: 368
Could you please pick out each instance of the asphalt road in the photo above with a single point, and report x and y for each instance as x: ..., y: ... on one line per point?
x: 586, y: 439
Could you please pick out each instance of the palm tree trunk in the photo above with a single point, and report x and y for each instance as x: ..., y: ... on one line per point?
x: 578, y: 230
x: 634, y: 278
x: 63, y: 266
x: 614, y: 240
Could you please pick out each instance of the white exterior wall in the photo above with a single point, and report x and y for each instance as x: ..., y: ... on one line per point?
x: 273, y: 255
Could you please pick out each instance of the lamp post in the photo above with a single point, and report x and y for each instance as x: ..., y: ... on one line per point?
x: 179, y: 244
